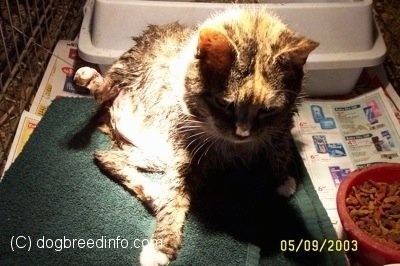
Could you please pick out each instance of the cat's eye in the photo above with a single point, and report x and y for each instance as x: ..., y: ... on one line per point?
x: 221, y: 103
x: 267, y: 112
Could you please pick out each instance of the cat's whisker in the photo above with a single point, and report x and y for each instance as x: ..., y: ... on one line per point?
x: 194, y: 123
x: 190, y: 143
x: 211, y: 143
x: 192, y: 115
x: 199, y: 139
x: 200, y: 142
x: 208, y: 140
x: 196, y: 135
x: 187, y: 130
x: 196, y: 139
x: 191, y: 127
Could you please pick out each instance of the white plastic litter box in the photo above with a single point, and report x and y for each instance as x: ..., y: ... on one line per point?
x: 346, y: 30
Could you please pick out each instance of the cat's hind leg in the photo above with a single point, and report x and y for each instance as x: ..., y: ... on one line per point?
x: 99, y: 87
x: 89, y: 78
x: 123, y: 167
x: 167, y: 198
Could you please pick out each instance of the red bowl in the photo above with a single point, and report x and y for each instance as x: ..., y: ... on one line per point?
x: 369, y: 251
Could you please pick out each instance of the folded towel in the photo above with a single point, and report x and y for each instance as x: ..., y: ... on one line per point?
x: 56, y: 207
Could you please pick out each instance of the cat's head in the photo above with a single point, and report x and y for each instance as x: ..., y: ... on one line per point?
x: 247, y: 75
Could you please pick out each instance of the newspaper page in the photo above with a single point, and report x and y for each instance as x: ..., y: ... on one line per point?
x: 335, y: 137
x: 57, y: 80
x: 26, y: 126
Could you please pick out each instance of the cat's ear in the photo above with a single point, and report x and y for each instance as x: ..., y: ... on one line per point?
x: 215, y: 51
x: 301, y: 49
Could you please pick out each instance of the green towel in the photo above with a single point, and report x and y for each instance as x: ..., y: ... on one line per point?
x: 55, y: 202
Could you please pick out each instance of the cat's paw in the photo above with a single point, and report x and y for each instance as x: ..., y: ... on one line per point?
x: 150, y: 256
x: 288, y: 188
x: 88, y: 77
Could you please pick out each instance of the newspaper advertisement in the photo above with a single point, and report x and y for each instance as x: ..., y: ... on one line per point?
x: 57, y: 80
x: 335, y: 137
x: 26, y: 126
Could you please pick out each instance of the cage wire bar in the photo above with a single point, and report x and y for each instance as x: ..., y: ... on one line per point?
x: 29, y: 30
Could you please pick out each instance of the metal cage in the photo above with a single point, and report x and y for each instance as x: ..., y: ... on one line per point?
x: 29, y: 30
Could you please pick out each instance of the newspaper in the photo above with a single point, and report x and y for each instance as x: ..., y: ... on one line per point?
x: 26, y: 126
x: 335, y: 137
x: 57, y: 80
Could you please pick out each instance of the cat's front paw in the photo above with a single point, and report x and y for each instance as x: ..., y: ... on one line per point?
x: 88, y: 77
x: 288, y: 188
x: 150, y: 256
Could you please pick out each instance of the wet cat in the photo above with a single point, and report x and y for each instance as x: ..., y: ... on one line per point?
x: 230, y: 1
x: 184, y: 101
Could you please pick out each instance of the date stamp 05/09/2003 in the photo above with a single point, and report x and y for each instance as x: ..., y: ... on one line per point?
x: 325, y: 245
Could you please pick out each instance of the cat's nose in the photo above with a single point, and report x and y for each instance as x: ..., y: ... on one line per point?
x: 242, y: 130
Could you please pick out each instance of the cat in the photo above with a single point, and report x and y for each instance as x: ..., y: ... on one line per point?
x: 230, y: 1
x: 184, y: 101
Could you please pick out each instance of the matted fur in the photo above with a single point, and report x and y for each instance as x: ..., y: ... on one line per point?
x: 184, y: 101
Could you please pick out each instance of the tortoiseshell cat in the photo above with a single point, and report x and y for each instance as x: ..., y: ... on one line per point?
x: 184, y: 101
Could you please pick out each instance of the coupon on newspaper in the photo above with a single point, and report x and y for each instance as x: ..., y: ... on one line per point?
x: 335, y: 137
